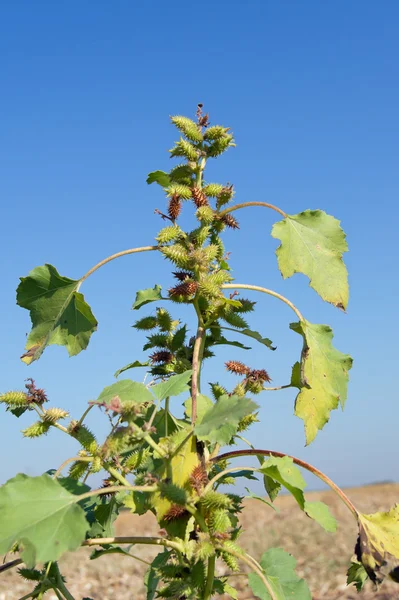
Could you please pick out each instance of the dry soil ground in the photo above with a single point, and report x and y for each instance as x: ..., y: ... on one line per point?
x: 322, y: 558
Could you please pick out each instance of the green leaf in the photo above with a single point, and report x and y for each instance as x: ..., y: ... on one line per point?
x: 313, y: 243
x: 42, y: 516
x: 255, y: 497
x: 173, y: 386
x: 148, y: 295
x: 378, y: 545
x: 125, y: 393
x: 58, y: 312
x: 287, y: 474
x: 108, y: 550
x: 220, y: 422
x: 324, y: 377
x: 319, y: 512
x: 159, y: 177
x: 254, y: 335
x: 203, y: 405
x: 132, y: 365
x: 357, y: 575
x: 279, y: 570
x: 272, y: 487
x: 153, y: 576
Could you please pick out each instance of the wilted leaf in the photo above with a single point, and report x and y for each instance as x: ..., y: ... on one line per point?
x: 279, y: 570
x: 313, y: 243
x: 59, y: 313
x: 220, y: 422
x: 42, y: 516
x: 148, y: 295
x: 323, y: 377
x: 132, y: 365
x: 378, y: 544
x: 173, y: 386
x: 357, y: 575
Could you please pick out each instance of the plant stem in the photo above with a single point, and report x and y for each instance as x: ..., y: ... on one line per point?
x: 167, y: 416
x: 113, y: 257
x: 69, y: 460
x: 257, y: 288
x: 116, y: 475
x: 226, y: 211
x: 117, y: 488
x: 61, y: 586
x: 86, y: 412
x: 153, y: 541
x: 254, y: 567
x: 300, y: 463
x: 10, y: 565
x: 195, y: 381
x: 210, y: 578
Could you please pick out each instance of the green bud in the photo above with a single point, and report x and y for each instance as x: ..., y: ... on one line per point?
x: 146, y: 323
x: 205, y: 214
x: 217, y: 147
x: 168, y: 234
x: 214, y: 500
x: 52, y: 415
x: 177, y: 254
x: 184, y: 148
x: 164, y: 320
x: 36, y: 430
x: 218, y: 390
x: 178, y: 189
x: 190, y: 129
x: 212, y: 189
x: 96, y: 465
x: 215, y: 132
x: 14, y: 399
x: 173, y: 493
x: 219, y: 521
x: 77, y: 470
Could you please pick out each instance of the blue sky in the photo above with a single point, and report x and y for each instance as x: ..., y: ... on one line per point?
x: 311, y: 92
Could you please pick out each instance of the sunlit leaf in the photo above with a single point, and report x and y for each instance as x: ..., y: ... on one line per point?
x: 124, y: 393
x: 159, y: 177
x: 313, y: 243
x: 357, y: 575
x: 132, y: 365
x: 173, y: 386
x: 323, y: 377
x: 148, y: 295
x: 203, y: 405
x: 220, y: 422
x: 319, y: 512
x: 42, y: 516
x: 279, y: 569
x: 58, y: 312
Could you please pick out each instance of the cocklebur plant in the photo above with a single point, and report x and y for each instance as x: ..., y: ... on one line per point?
x: 157, y: 459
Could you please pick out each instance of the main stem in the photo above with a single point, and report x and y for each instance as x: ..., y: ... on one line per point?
x: 226, y: 211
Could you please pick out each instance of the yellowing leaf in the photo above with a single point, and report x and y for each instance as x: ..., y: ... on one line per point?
x: 183, y: 462
x: 378, y: 543
x: 58, y: 312
x: 313, y: 243
x: 323, y: 377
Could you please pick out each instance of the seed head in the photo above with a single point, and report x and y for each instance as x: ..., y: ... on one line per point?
x: 199, y: 197
x: 162, y: 356
x: 234, y: 366
x: 230, y: 221
x: 174, y: 208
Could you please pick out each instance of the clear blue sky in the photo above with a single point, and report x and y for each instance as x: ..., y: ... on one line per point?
x: 311, y: 91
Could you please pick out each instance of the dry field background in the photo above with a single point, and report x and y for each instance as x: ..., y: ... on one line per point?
x: 322, y: 557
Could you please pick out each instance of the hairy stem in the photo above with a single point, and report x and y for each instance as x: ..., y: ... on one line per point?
x: 300, y: 463
x: 86, y: 412
x: 257, y: 288
x: 255, y: 568
x: 61, y: 585
x: 117, y: 488
x: 66, y: 462
x: 195, y: 380
x: 210, y: 577
x: 226, y: 211
x: 116, y: 475
x: 11, y: 564
x: 153, y: 541
x: 113, y: 257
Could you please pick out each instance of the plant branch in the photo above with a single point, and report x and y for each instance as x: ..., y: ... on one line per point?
x: 116, y: 475
x: 254, y: 567
x: 117, y: 488
x: 69, y: 460
x: 113, y: 257
x: 153, y: 541
x: 300, y: 463
x: 196, y: 364
x: 226, y: 211
x: 257, y: 288
x: 210, y: 577
x: 11, y: 564
x: 86, y: 412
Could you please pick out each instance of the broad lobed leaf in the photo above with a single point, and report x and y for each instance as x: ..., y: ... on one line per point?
x: 58, y: 312
x: 322, y: 377
x: 220, y: 422
x: 279, y: 569
x: 313, y: 243
x: 42, y: 516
